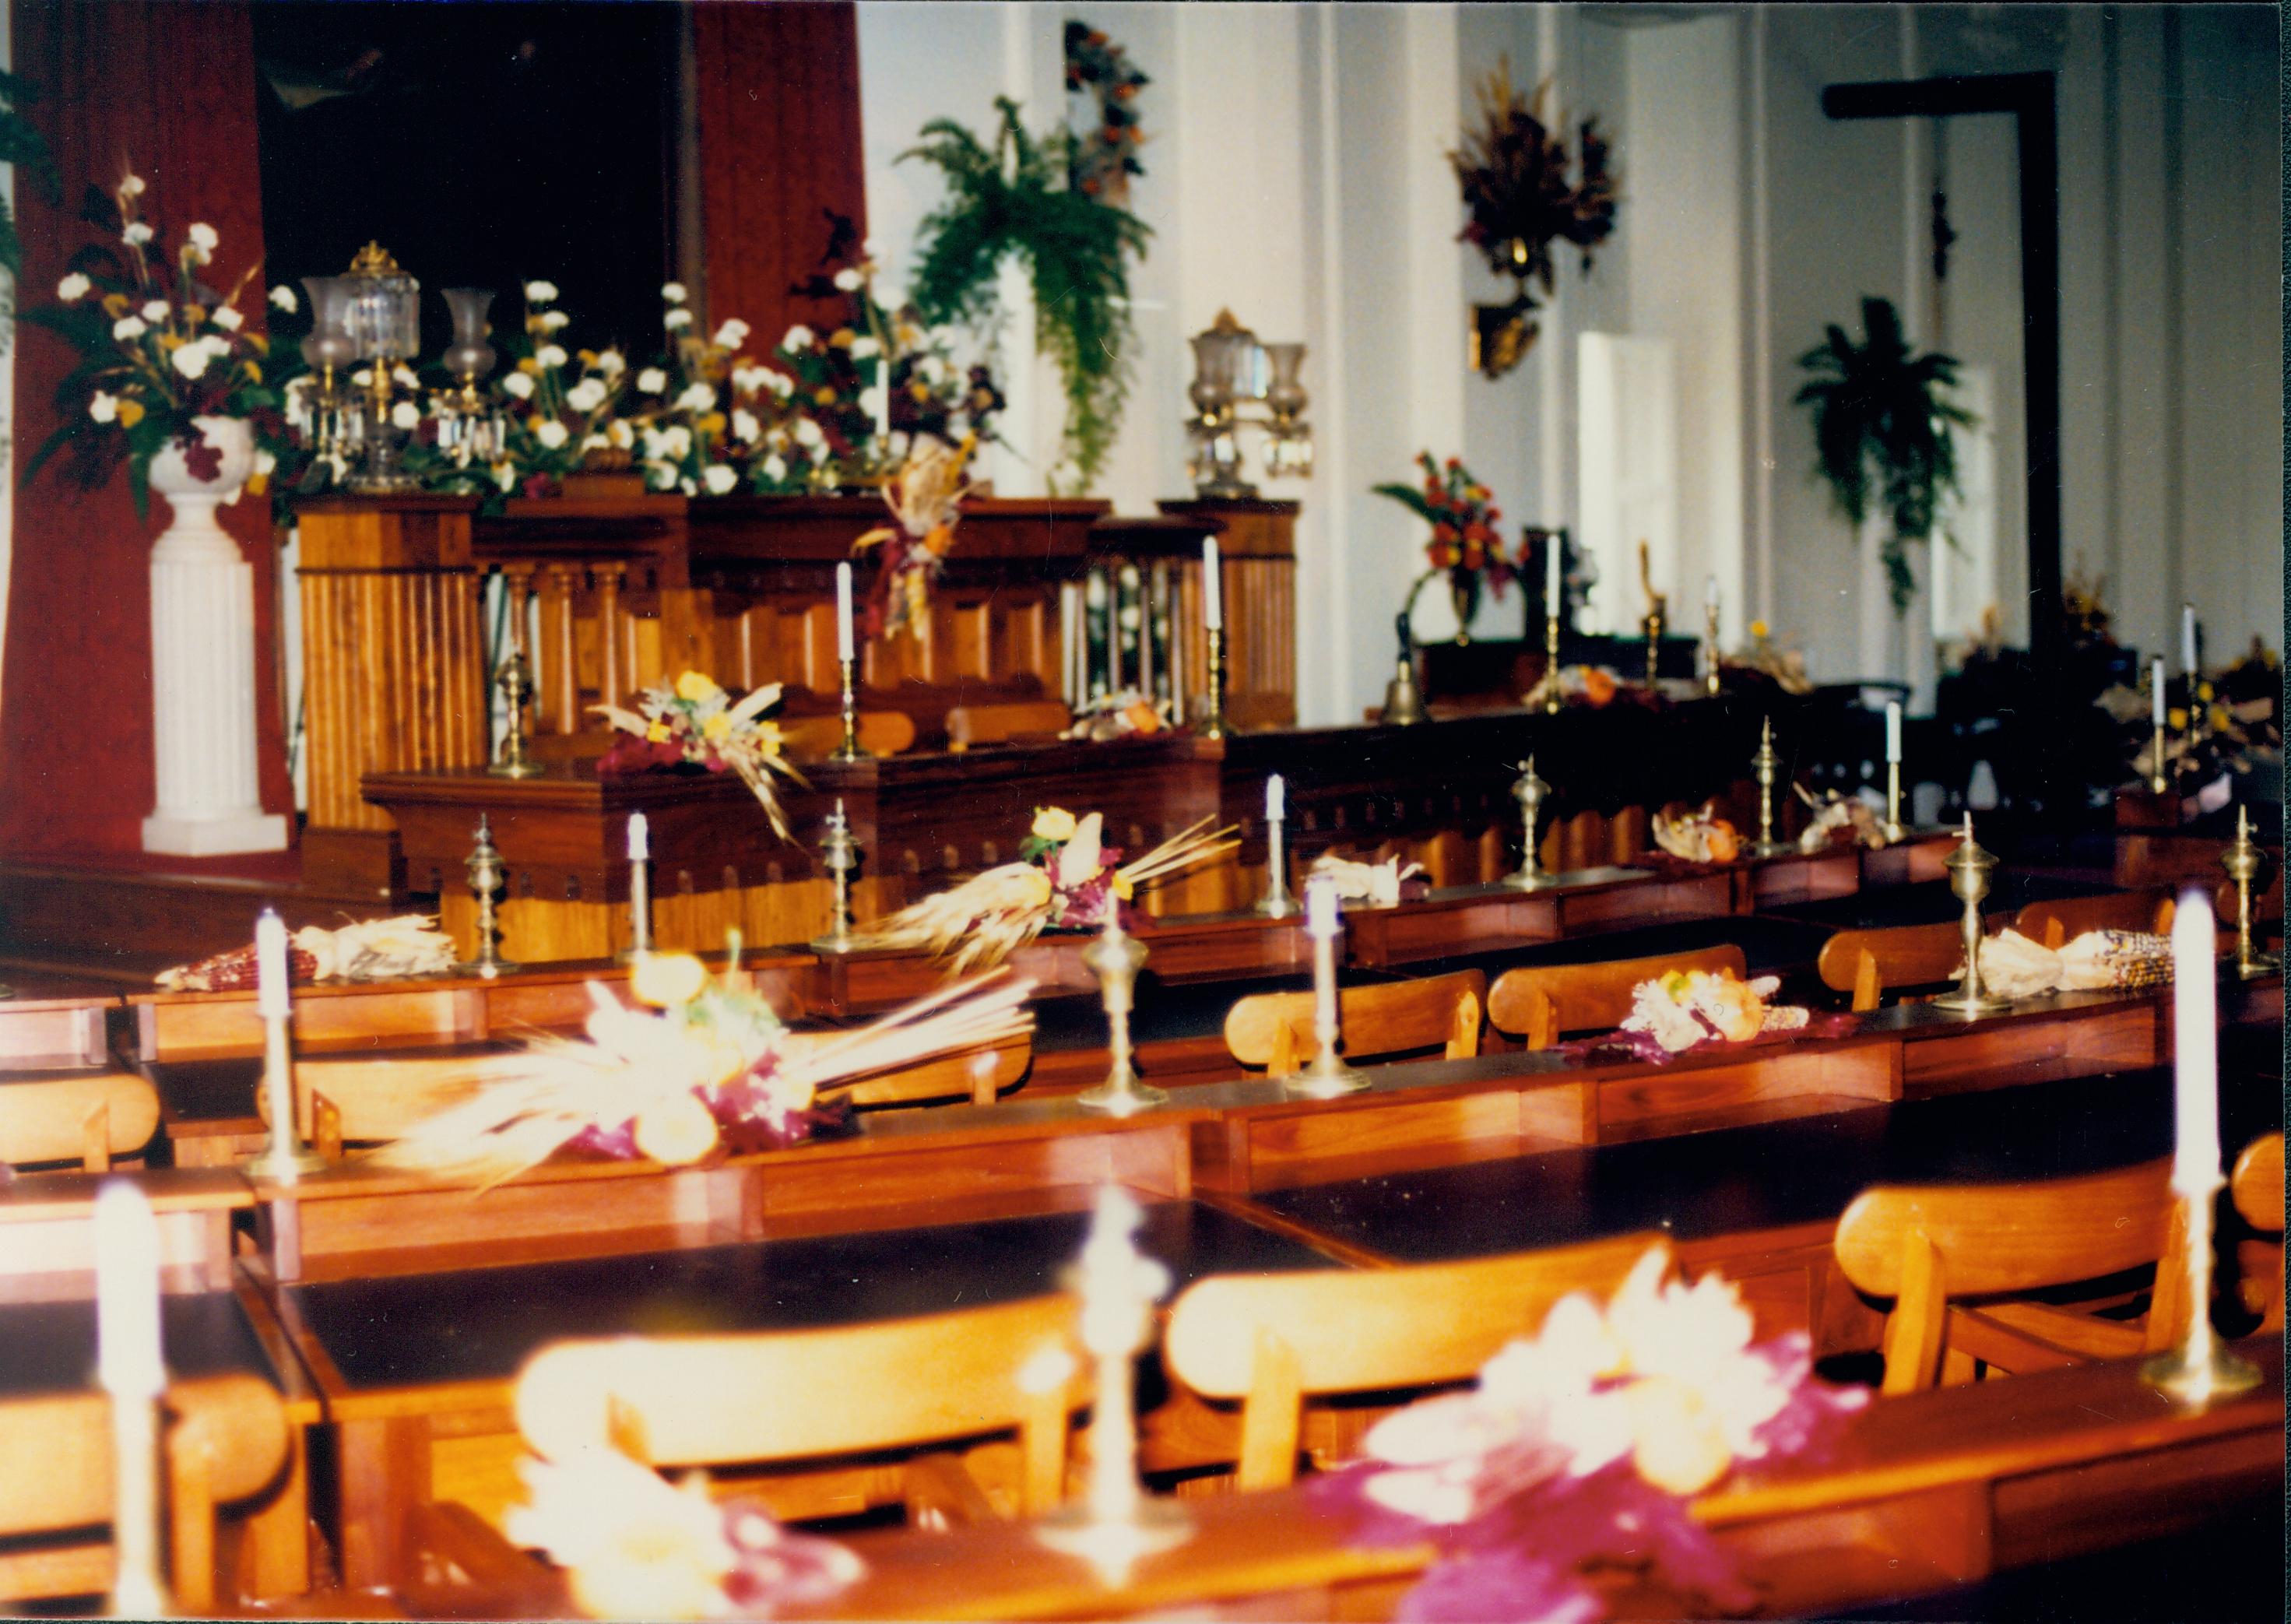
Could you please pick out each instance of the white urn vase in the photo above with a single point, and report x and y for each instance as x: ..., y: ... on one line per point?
x: 203, y: 661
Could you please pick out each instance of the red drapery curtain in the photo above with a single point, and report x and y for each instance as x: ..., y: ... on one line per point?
x: 779, y: 145
x: 169, y: 89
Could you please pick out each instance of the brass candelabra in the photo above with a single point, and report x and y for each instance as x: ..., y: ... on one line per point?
x: 1213, y: 724
x: 1969, y: 868
x: 1766, y: 766
x: 839, y: 850
x: 1115, y: 957
x: 2242, y: 862
x: 2159, y: 781
x: 1653, y: 626
x: 485, y: 865
x: 1529, y: 791
x: 848, y: 749
x: 516, y: 691
x: 1710, y: 649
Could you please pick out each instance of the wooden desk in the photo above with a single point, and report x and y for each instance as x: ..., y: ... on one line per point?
x: 424, y: 1409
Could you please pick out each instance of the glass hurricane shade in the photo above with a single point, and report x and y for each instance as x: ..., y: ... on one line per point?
x: 469, y: 356
x: 382, y: 312
x: 329, y: 342
x: 1221, y: 364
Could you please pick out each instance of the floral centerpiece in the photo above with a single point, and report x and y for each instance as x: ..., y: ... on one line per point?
x: 1575, y: 1456
x: 1839, y: 820
x: 634, y: 1547
x: 694, y: 722
x: 1100, y: 162
x: 1700, y: 836
x: 1127, y: 712
x: 925, y: 497
x: 1683, y: 1009
x: 1066, y: 878
x: 1464, y: 545
x: 159, y: 350
x: 709, y: 1067
x: 561, y: 408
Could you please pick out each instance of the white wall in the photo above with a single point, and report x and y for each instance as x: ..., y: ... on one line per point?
x: 1296, y: 174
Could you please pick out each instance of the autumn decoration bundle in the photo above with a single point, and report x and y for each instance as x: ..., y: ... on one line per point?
x: 1066, y: 878
x: 1571, y: 1465
x: 364, y: 950
x: 694, y: 722
x: 1683, y: 1009
x: 925, y: 497
x: 707, y: 1067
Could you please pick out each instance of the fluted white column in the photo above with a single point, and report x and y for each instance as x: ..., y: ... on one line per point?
x: 202, y: 681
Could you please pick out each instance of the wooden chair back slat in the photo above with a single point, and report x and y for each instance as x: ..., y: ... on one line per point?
x: 1868, y: 963
x: 882, y: 732
x: 1439, y: 1012
x: 2257, y: 1183
x: 90, y: 1118
x: 1924, y: 1245
x: 999, y: 724
x: 227, y: 1441
x: 1276, y: 1340
x: 977, y: 1076
x: 757, y: 1398
x: 1540, y: 1002
x: 2056, y: 923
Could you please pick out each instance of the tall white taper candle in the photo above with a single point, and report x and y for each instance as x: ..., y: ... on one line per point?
x: 1892, y: 730
x: 1551, y: 586
x: 129, y: 1364
x: 1276, y: 799
x: 270, y: 966
x: 1212, y: 586
x: 2188, y: 640
x: 845, y: 644
x: 2195, y: 1048
x: 2156, y: 697
x: 640, y: 839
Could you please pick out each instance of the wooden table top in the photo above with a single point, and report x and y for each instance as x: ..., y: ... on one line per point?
x: 480, y: 1325
x: 1771, y: 1176
x: 1930, y: 902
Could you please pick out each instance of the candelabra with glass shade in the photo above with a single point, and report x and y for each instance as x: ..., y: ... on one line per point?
x: 1233, y: 370
x: 381, y: 312
x: 469, y: 426
x: 328, y: 351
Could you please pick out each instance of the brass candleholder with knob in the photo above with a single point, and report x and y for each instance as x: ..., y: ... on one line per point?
x: 1969, y: 868
x: 848, y: 749
x: 2242, y: 862
x: 1213, y: 719
x: 1115, y: 957
x: 1766, y: 768
x: 486, y: 873
x: 839, y: 853
x: 1710, y: 648
x: 1529, y: 791
x: 1551, y: 664
x: 515, y: 683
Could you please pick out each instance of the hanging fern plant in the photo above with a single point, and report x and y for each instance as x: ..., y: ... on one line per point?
x: 1882, y: 417
x: 1012, y: 199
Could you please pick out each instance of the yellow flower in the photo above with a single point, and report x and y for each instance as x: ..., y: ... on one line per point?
x: 1053, y: 823
x: 675, y: 1131
x: 667, y: 979
x: 769, y: 739
x: 657, y: 733
x: 824, y: 395
x: 716, y: 728
x: 841, y: 338
x: 2204, y: 692
x: 1758, y: 629
x: 2217, y: 718
x: 692, y: 687
x: 131, y: 413
x: 529, y: 366
x: 257, y: 484
x: 1121, y: 888
x: 2177, y: 716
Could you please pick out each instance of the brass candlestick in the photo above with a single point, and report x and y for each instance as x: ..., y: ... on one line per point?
x: 1278, y: 903
x: 1710, y: 649
x: 2242, y: 864
x: 516, y: 684
x: 2199, y: 1369
x: 1115, y: 957
x: 1652, y: 626
x: 1894, y: 832
x: 1766, y: 765
x: 1529, y: 791
x: 639, y: 911
x: 840, y: 851
x: 1116, y: 1521
x: 1327, y: 1076
x: 1213, y: 727
x: 2158, y: 781
x: 1969, y: 868
x: 1551, y: 664
x: 485, y: 865
x: 848, y: 749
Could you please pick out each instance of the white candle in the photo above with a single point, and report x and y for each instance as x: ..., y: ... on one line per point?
x: 1212, y: 586
x: 2156, y: 694
x: 2195, y: 1045
x: 128, y: 1360
x: 844, y: 645
x: 270, y: 966
x: 1710, y: 592
x: 1893, y: 731
x: 640, y: 839
x: 1551, y: 551
x: 1276, y: 799
x: 1320, y: 906
x: 2188, y: 640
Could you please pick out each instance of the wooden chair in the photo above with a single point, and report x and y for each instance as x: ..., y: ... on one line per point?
x: 810, y: 1395
x: 882, y: 732
x: 1924, y: 1246
x: 226, y: 1440
x: 978, y: 1075
x: 91, y: 1118
x: 2055, y: 923
x: 1869, y: 963
x: 2256, y: 1185
x: 1277, y: 1341
x: 1275, y: 1030
x: 1540, y: 1002
x: 999, y: 724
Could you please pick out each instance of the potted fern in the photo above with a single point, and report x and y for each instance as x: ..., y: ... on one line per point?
x: 1882, y: 417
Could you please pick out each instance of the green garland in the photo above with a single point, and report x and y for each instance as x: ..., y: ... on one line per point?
x: 1001, y: 202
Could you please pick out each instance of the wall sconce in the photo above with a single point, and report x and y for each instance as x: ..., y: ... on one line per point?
x: 1231, y: 369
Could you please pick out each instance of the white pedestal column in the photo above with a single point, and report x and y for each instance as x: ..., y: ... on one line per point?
x: 203, y: 667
